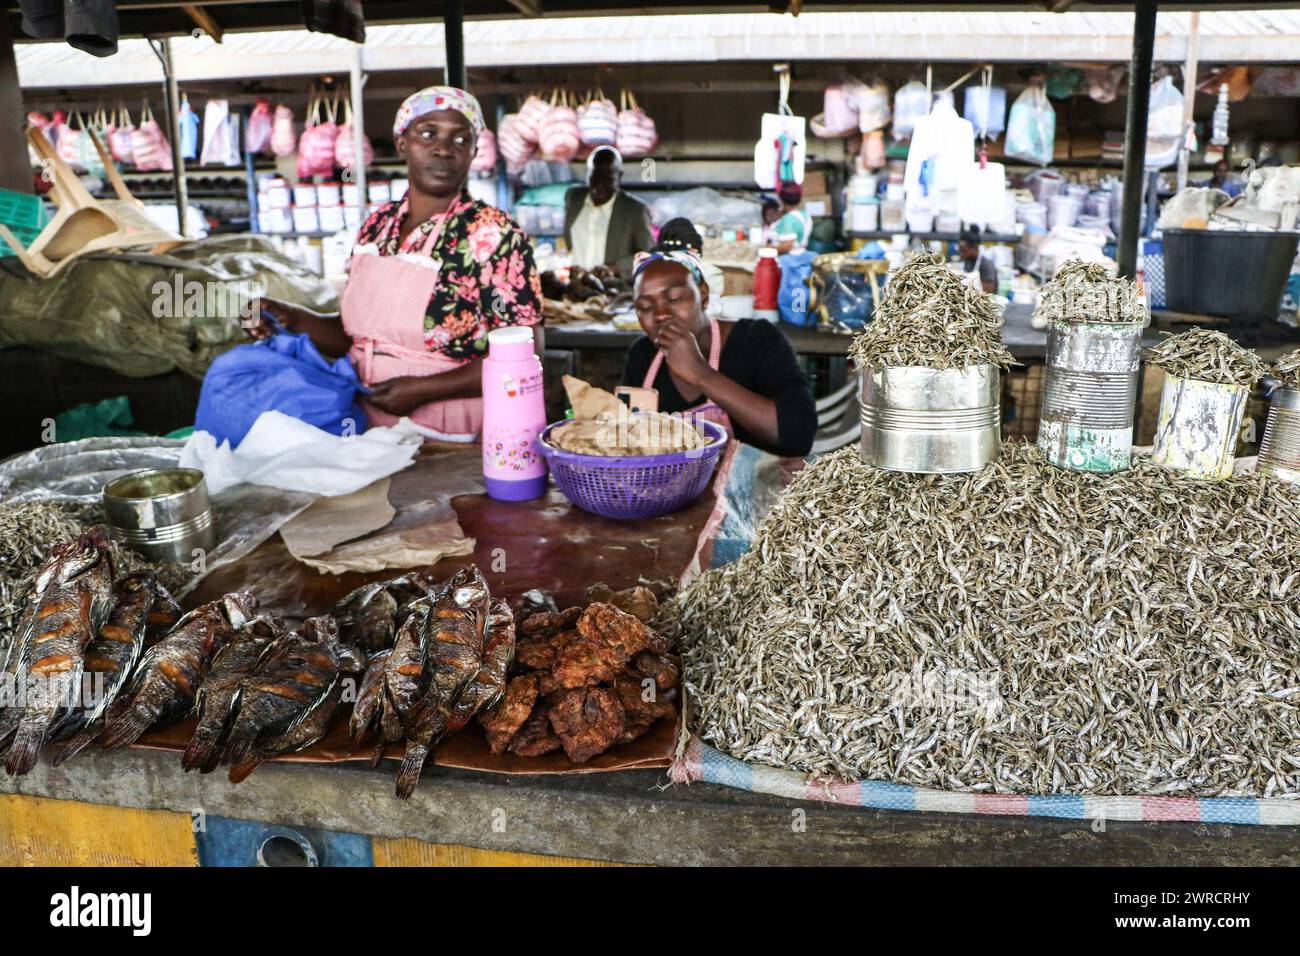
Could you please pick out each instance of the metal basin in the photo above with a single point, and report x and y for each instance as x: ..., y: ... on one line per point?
x: 163, y: 513
x: 931, y: 421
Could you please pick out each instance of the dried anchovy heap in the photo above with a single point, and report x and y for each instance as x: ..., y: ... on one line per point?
x: 1287, y: 369
x: 930, y: 317
x: 1087, y: 292
x: 28, y: 531
x: 1208, y: 357
x: 1022, y: 629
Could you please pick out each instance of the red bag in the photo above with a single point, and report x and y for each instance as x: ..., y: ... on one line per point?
x: 528, y: 121
x: 559, y: 138
x: 513, y: 147
x: 119, y: 140
x: 345, y: 150
x: 149, y: 147
x: 637, y: 135
x: 316, y: 145
x: 283, y: 139
x: 485, y: 158
x: 257, y: 132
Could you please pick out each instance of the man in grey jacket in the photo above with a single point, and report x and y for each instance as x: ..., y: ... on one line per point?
x: 603, y: 226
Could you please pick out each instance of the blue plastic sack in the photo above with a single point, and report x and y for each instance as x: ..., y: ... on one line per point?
x: 792, y: 300
x: 188, y: 124
x: 284, y: 373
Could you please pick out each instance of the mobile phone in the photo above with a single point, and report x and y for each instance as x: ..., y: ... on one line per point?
x: 638, y: 400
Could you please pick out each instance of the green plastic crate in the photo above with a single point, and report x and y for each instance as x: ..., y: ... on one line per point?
x: 24, y: 214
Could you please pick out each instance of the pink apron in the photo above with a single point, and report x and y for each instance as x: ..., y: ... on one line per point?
x: 708, y: 412
x: 383, y: 309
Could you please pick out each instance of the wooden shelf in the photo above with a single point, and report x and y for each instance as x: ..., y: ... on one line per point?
x: 927, y: 236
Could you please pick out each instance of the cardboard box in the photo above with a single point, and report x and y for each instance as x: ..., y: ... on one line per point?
x: 814, y: 183
x: 818, y: 205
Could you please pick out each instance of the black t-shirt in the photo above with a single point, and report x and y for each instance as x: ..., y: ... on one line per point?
x: 757, y: 356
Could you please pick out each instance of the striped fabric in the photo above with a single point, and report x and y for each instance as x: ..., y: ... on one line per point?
x: 701, y: 763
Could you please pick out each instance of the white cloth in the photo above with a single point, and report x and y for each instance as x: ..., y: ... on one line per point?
x: 287, y: 453
x: 949, y: 141
x: 590, y: 231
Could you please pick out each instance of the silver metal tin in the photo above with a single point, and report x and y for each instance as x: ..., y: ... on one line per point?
x: 163, y: 513
x: 1086, y: 422
x: 1279, y: 451
x: 931, y: 421
x: 1198, y: 427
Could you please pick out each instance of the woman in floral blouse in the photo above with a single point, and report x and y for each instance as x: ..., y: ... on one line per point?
x: 431, y: 275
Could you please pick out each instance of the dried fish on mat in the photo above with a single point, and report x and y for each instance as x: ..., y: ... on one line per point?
x: 930, y: 317
x: 1022, y: 629
x: 1207, y: 357
x: 29, y: 531
x: 1087, y: 292
x: 71, y: 602
x: 1287, y: 369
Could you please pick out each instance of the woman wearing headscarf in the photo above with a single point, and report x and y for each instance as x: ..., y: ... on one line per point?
x: 431, y: 275
x: 743, y: 375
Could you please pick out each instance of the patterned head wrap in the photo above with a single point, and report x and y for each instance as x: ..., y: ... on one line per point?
x: 684, y: 257
x: 434, y: 98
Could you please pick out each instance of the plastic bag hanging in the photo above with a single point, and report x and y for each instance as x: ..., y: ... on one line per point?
x: 985, y: 106
x: 781, y: 149
x: 188, y: 125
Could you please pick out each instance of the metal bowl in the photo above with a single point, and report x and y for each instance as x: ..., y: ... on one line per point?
x: 163, y: 513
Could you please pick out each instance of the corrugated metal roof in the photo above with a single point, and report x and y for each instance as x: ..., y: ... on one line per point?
x: 1225, y: 37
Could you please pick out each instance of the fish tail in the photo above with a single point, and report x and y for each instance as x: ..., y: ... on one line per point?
x: 240, y: 744
x: 26, y: 748
x: 239, y: 771
x: 200, y: 753
x: 124, y: 725
x: 412, y: 764
x: 78, y: 743
x: 377, y: 754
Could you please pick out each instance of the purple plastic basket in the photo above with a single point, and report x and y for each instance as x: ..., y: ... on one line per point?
x: 636, y: 486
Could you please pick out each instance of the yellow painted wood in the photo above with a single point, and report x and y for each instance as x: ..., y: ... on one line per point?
x: 37, y: 831
x: 412, y: 852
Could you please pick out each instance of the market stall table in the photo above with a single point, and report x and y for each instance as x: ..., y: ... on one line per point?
x: 158, y: 814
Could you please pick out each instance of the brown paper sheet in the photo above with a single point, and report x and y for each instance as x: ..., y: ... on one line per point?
x: 589, y: 401
x: 332, y: 521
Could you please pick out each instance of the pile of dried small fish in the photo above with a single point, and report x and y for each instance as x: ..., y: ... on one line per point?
x: 448, y: 662
x: 1087, y: 292
x: 1021, y: 629
x: 591, y: 678
x: 1208, y: 357
x: 931, y: 317
x: 1287, y: 369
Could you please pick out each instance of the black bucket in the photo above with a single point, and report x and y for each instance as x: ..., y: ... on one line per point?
x: 1227, y: 273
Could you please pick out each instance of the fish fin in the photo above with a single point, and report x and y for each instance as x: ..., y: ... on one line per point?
x: 377, y: 754
x: 412, y: 764
x: 26, y: 748
x: 124, y: 725
x: 239, y: 771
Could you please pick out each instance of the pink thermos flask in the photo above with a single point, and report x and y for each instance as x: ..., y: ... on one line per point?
x: 514, y: 414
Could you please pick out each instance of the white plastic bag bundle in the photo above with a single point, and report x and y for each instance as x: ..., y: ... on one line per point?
x: 911, y: 102
x: 1164, y: 124
x: 873, y: 106
x: 1031, y: 129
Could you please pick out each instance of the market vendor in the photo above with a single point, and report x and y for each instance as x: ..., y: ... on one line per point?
x: 794, y: 228
x: 430, y: 276
x: 1221, y: 179
x: 975, y: 263
x: 743, y: 375
x: 604, y: 226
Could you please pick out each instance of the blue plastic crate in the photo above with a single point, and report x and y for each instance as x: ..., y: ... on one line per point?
x: 1153, y: 265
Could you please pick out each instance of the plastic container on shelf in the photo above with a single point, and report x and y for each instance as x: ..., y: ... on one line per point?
x: 514, y: 414
x: 864, y: 215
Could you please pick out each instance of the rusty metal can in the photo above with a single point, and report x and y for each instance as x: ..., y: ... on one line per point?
x: 1279, y: 451
x: 1198, y: 426
x: 931, y: 421
x: 1086, y: 422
